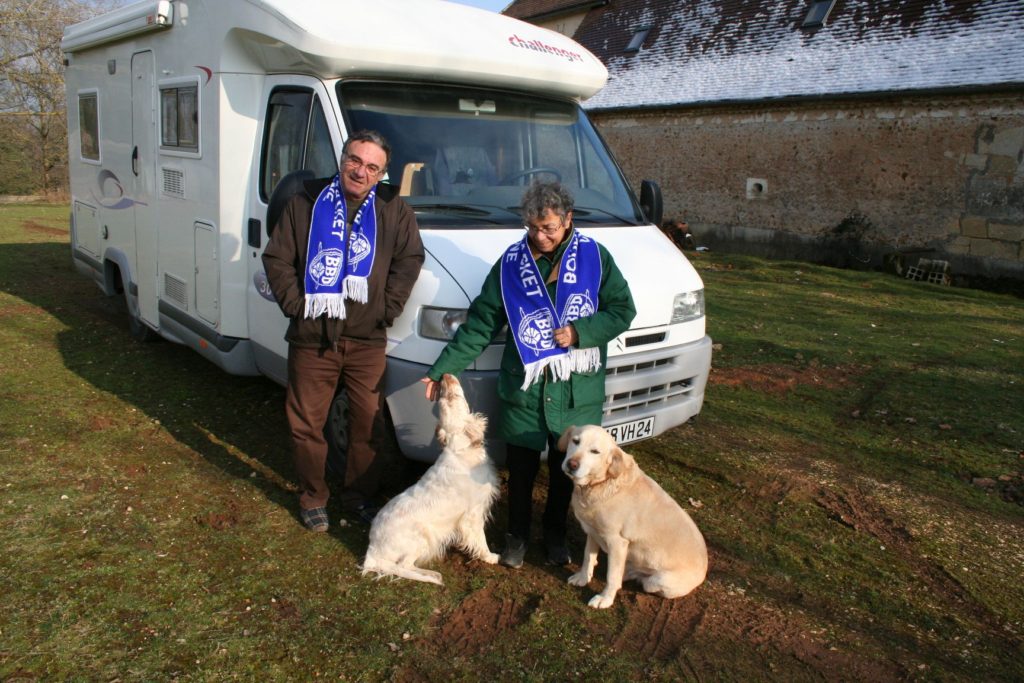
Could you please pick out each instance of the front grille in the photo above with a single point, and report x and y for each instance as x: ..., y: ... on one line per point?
x: 636, y: 367
x: 650, y: 381
x: 647, y: 397
x: 643, y: 339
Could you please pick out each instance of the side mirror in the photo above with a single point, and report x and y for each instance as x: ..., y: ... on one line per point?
x: 650, y: 201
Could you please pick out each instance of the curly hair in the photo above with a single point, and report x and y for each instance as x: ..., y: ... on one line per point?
x: 540, y: 197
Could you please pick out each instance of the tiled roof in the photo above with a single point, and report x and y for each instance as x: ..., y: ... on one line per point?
x: 704, y: 51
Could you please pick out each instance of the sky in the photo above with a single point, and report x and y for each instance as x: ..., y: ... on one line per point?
x: 493, y: 5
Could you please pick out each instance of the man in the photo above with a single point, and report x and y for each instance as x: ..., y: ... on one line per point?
x: 563, y: 299
x: 341, y: 262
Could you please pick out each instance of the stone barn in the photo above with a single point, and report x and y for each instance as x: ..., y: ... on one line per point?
x: 843, y: 131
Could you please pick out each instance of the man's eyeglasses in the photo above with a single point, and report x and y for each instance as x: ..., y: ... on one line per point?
x: 352, y: 161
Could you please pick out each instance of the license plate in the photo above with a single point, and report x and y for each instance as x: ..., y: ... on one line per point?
x: 632, y: 431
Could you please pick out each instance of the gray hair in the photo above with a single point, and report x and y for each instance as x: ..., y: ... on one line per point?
x: 368, y: 136
x: 540, y: 197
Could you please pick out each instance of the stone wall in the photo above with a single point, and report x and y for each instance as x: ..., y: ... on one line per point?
x: 844, y: 180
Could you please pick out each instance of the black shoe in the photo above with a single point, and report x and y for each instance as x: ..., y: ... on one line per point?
x: 558, y: 553
x: 366, y: 512
x: 514, y: 552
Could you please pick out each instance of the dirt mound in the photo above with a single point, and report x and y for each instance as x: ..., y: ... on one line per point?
x: 481, y: 619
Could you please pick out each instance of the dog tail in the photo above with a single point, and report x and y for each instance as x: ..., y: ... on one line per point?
x: 386, y: 568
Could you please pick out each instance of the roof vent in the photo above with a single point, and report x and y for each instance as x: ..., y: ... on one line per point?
x: 639, y: 36
x: 818, y: 13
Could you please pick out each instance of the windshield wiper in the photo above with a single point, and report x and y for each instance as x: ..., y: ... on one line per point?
x: 470, y: 210
x: 585, y: 211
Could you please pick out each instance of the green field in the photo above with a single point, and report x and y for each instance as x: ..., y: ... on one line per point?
x: 857, y: 471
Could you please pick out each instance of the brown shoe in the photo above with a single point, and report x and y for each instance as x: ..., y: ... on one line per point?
x: 315, y: 519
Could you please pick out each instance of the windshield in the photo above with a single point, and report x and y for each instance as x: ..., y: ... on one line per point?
x: 462, y: 157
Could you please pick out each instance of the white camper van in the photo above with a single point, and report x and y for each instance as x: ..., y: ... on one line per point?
x: 185, y: 115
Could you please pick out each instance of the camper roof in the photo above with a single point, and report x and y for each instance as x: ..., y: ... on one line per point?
x: 410, y: 39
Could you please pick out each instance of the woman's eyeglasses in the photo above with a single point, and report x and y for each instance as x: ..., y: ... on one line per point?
x: 550, y: 229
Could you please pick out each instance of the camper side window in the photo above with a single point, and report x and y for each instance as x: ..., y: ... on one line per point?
x: 297, y: 137
x: 179, y: 117
x: 89, y: 126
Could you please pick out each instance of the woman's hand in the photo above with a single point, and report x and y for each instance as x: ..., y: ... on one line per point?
x: 433, y: 389
x: 566, y: 336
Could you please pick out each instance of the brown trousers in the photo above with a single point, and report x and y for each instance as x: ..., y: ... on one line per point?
x: 313, y: 378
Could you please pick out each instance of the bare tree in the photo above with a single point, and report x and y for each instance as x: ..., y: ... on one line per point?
x: 33, y: 122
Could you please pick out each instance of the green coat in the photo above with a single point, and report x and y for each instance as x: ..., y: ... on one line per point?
x: 548, y: 407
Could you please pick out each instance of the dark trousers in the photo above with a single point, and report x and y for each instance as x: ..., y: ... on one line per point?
x: 523, y: 465
x: 313, y: 377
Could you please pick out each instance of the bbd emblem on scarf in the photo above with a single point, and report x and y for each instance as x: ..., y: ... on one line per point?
x: 578, y: 306
x: 325, y: 268
x: 535, y: 330
x: 358, y: 247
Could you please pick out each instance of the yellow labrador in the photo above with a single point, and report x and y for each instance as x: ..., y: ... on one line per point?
x: 645, y: 533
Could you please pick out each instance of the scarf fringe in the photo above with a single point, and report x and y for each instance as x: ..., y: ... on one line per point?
x: 331, y: 303
x: 562, y: 367
x: 355, y: 288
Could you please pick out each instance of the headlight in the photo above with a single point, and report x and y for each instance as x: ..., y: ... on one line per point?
x: 687, y: 306
x: 440, y: 323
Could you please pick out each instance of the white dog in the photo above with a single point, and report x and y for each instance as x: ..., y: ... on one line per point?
x: 449, y: 505
x: 645, y: 533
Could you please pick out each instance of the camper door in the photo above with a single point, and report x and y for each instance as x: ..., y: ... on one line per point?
x: 143, y: 168
x: 299, y: 130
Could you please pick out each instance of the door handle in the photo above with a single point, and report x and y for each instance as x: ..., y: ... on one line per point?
x: 255, y: 232
x: 135, y: 160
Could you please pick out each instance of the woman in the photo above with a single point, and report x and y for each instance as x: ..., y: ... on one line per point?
x: 563, y: 299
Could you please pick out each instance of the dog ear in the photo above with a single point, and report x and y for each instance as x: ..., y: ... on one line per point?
x: 476, y: 427
x: 563, y: 441
x: 620, y: 463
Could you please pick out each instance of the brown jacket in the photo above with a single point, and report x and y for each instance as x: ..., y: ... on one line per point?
x: 396, y: 265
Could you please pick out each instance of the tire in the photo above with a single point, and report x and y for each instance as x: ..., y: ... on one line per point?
x: 139, y: 331
x: 336, y: 434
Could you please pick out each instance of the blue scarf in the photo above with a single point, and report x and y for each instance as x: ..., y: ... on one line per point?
x: 333, y: 272
x: 533, y: 318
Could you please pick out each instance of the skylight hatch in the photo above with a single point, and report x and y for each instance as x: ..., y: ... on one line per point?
x: 639, y: 36
x: 818, y: 13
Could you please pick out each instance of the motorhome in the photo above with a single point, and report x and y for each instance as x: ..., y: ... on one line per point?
x: 184, y: 116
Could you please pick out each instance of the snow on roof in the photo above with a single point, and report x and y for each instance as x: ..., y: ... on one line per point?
x: 705, y: 51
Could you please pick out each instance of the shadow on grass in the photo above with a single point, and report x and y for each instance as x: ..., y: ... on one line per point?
x: 235, y: 423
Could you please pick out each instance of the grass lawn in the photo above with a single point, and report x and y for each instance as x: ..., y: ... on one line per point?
x: 857, y: 471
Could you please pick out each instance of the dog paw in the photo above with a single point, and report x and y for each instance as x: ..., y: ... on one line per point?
x: 490, y: 558
x: 601, y: 601
x: 432, y: 577
x: 579, y: 579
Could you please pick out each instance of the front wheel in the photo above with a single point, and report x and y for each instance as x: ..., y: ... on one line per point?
x: 336, y: 434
